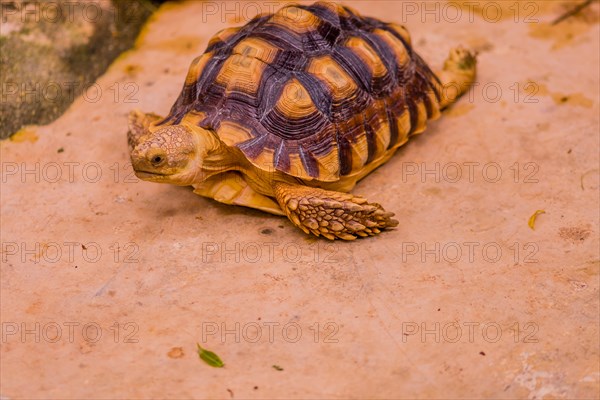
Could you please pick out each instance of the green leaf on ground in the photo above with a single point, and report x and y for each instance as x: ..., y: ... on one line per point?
x: 209, y: 357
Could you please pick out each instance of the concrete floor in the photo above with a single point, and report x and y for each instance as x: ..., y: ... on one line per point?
x: 109, y: 283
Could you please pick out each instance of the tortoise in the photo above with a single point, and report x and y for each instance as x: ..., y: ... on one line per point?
x: 288, y: 112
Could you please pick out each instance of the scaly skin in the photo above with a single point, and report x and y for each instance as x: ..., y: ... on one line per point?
x: 186, y: 154
x: 335, y: 215
x: 138, y: 127
x: 457, y: 76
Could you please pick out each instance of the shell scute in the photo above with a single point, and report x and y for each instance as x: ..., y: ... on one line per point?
x: 317, y: 92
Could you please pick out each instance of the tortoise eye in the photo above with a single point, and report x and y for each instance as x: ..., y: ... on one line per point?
x: 156, y: 156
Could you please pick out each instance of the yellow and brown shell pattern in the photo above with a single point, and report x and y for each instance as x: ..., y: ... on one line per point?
x: 317, y: 92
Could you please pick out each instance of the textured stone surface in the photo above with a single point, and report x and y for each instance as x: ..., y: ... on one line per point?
x: 188, y: 268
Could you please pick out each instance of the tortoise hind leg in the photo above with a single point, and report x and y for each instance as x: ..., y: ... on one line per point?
x: 331, y: 214
x: 231, y: 188
x: 457, y: 75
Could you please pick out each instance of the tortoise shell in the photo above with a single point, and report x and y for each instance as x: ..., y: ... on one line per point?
x: 317, y: 92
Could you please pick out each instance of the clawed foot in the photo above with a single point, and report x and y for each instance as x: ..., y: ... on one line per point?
x: 334, y: 215
x: 139, y: 123
x: 457, y: 75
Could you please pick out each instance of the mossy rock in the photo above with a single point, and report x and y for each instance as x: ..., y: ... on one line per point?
x: 51, y: 51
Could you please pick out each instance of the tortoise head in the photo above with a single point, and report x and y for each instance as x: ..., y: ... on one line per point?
x: 173, y: 154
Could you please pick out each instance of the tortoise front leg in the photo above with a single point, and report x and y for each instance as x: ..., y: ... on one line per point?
x: 138, y: 126
x: 331, y: 214
x: 231, y: 188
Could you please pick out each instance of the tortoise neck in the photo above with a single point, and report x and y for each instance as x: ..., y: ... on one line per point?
x: 215, y: 157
